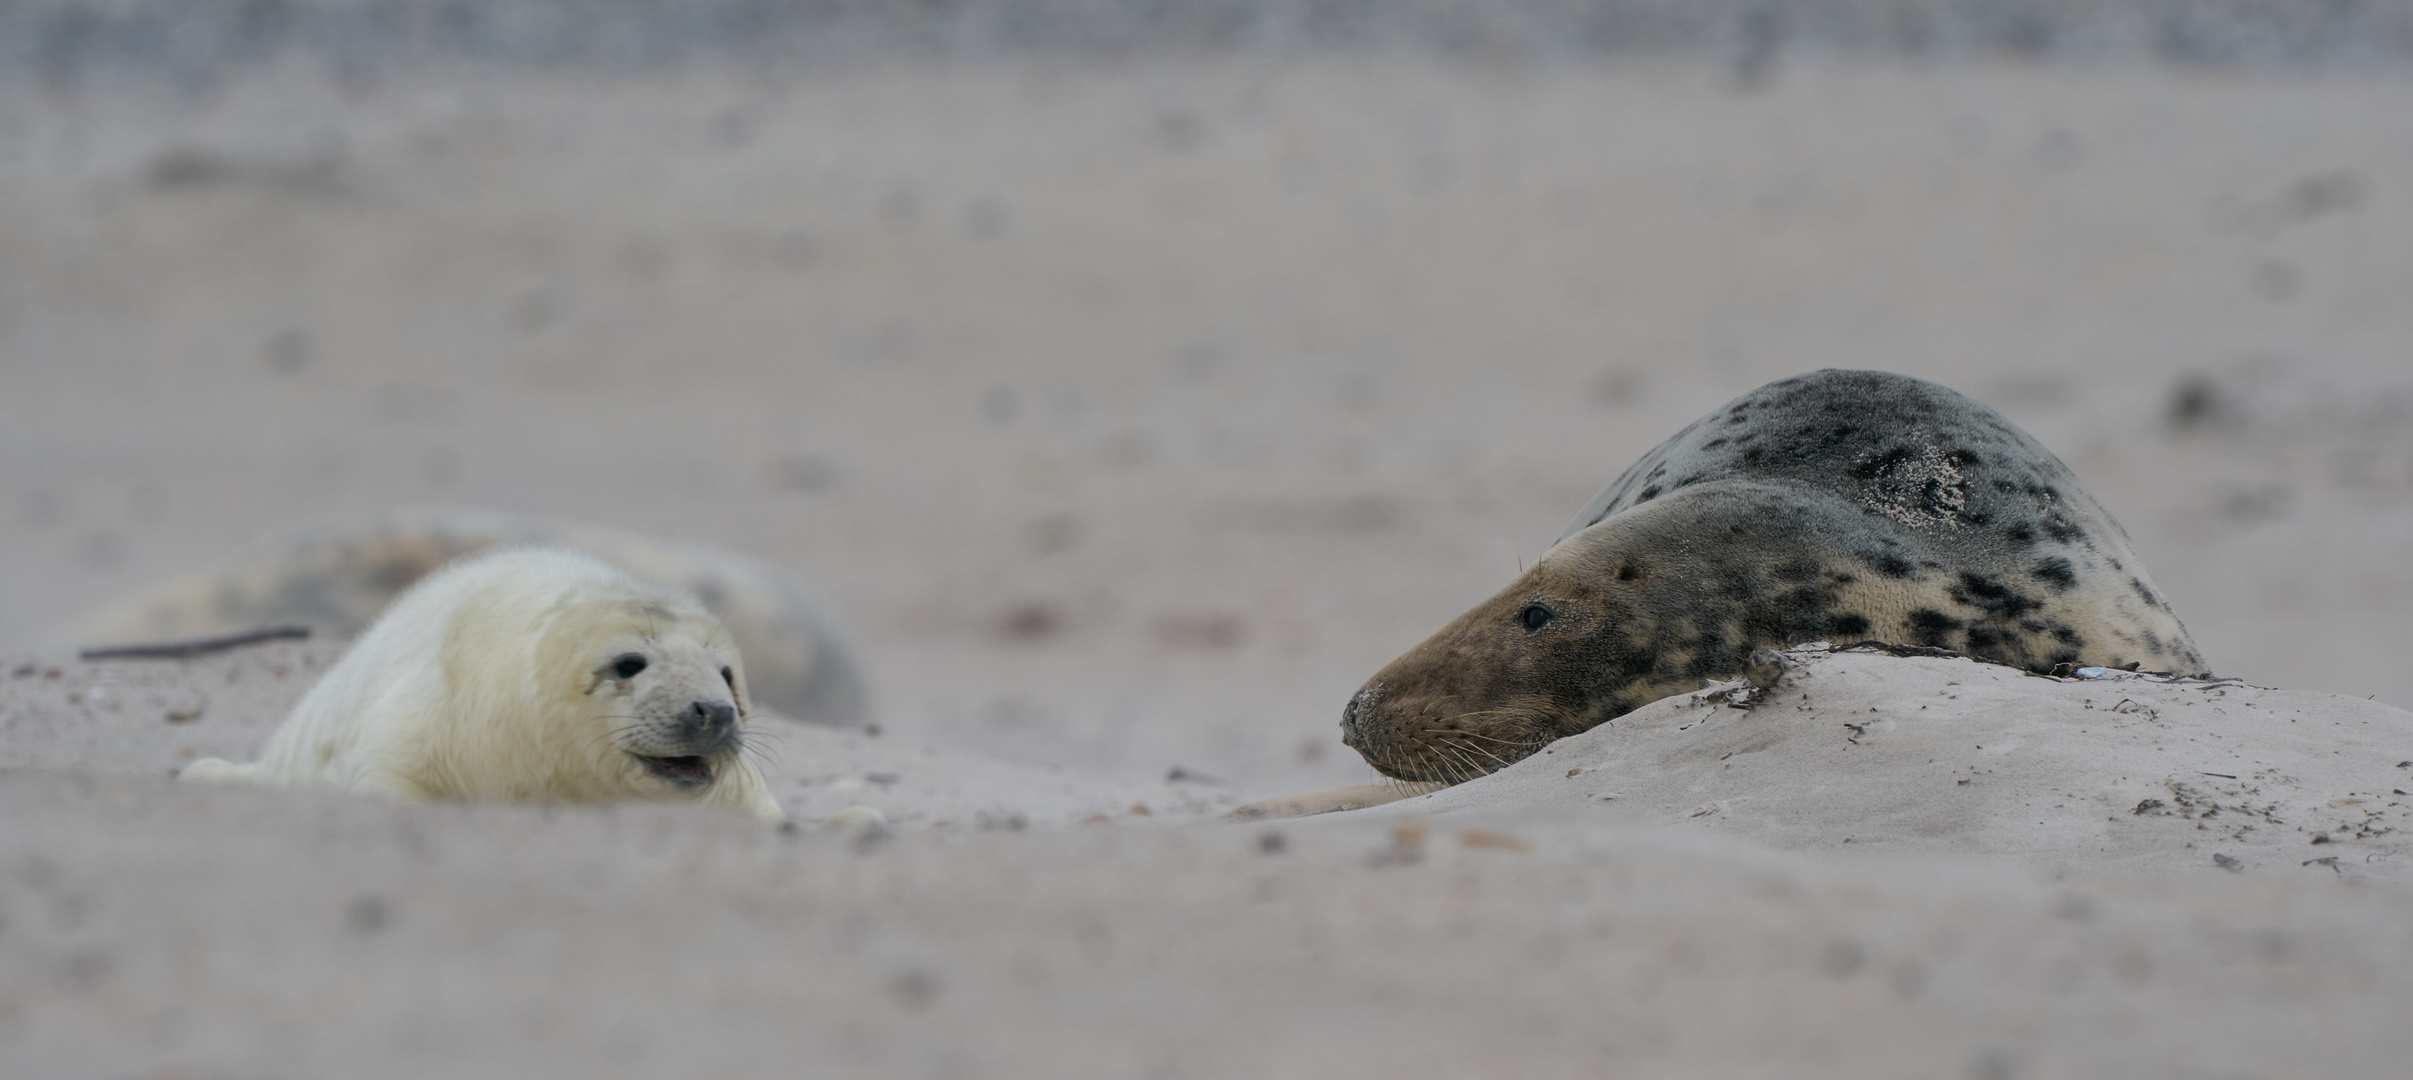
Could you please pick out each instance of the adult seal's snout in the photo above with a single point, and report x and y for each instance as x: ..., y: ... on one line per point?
x: 1349, y: 713
x: 1838, y: 505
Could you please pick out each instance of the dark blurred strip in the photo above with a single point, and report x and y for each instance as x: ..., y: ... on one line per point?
x: 198, y: 41
x: 183, y: 650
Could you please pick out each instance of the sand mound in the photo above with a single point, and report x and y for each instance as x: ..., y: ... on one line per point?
x: 1928, y: 754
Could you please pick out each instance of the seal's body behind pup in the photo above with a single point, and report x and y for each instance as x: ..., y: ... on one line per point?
x: 337, y: 576
x: 1843, y: 505
x: 528, y: 675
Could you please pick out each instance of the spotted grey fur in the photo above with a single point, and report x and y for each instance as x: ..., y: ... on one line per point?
x: 1838, y: 505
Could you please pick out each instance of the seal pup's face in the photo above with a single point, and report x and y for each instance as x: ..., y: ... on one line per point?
x: 1554, y: 654
x: 669, y: 694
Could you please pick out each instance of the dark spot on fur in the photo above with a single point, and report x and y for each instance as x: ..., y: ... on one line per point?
x: 1713, y: 444
x: 1964, y: 457
x: 1881, y: 464
x: 1647, y: 495
x: 2062, y: 529
x: 1798, y: 570
x: 2067, y: 636
x: 1931, y: 627
x: 1752, y: 454
x: 2058, y: 573
x: 1847, y: 625
x: 2065, y: 656
x: 1991, y: 597
x: 1628, y: 572
x: 1934, y: 498
x: 1981, y: 587
x: 2152, y: 601
x: 2020, y: 535
x: 1889, y: 564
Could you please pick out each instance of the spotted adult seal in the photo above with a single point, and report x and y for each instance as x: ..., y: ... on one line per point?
x: 525, y: 675
x: 1838, y: 505
x: 336, y: 576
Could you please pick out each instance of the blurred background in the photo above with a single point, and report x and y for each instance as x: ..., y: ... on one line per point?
x: 1138, y: 376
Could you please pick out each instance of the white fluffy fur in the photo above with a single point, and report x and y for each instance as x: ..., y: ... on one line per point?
x: 493, y: 680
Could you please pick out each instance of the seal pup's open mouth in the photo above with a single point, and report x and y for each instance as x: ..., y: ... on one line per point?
x: 686, y: 772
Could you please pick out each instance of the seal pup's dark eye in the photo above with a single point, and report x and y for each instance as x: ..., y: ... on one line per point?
x: 628, y: 666
x: 729, y: 677
x: 1535, y: 617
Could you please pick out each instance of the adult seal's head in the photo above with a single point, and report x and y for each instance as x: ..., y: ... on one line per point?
x: 1839, y: 505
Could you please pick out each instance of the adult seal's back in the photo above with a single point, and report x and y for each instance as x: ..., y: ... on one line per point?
x: 1838, y: 505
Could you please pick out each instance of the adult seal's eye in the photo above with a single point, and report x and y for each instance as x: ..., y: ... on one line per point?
x: 1535, y: 617
x: 628, y: 666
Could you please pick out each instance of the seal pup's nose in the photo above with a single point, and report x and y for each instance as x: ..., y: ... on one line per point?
x: 712, y: 719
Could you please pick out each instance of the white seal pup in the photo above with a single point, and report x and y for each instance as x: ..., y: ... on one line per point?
x: 335, y: 576
x: 526, y: 675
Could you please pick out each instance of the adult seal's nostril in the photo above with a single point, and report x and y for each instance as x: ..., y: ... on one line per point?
x: 1349, y: 716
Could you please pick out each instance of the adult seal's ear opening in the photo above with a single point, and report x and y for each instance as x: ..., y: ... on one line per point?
x: 1838, y: 505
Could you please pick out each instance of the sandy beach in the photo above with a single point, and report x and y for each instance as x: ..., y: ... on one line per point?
x: 1129, y: 415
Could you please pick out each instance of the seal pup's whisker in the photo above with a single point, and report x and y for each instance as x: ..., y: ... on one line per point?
x: 754, y: 748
